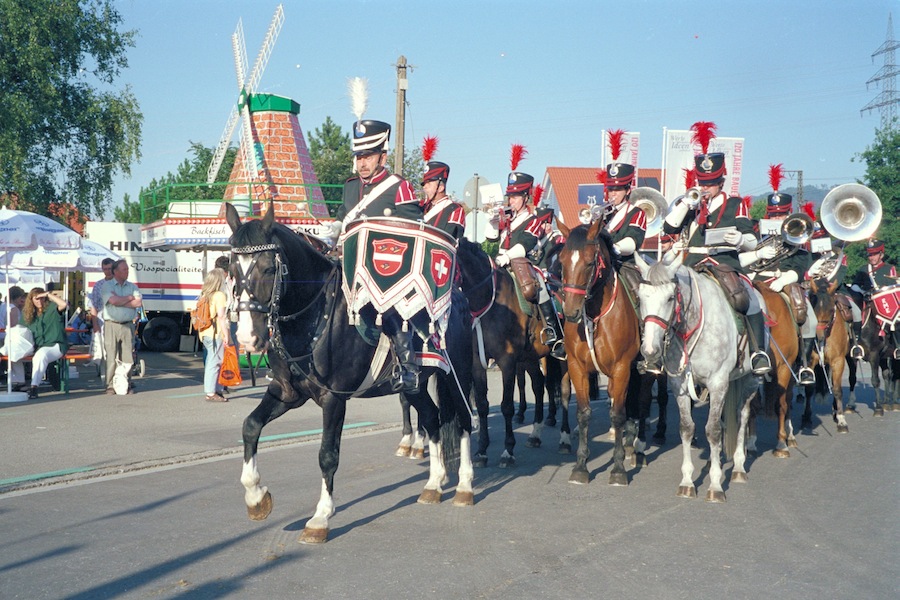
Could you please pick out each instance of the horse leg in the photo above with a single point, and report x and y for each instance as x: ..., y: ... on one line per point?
x: 850, y: 407
x: 479, y: 391
x: 465, y: 493
x: 662, y: 401
x: 783, y: 406
x: 257, y: 498
x: 508, y: 371
x: 579, y: 379
x: 617, y: 388
x: 738, y: 472
x: 537, y: 387
x: 837, y: 407
x: 520, y: 386
x: 808, y: 391
x: 405, y: 446
x: 565, y: 433
x: 880, y: 394
x: 334, y: 410
x: 437, y: 472
x: 717, y: 392
x: 552, y: 386
x: 686, y: 488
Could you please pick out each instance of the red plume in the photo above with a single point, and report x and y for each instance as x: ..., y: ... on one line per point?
x: 516, y: 154
x: 601, y: 177
x: 690, y: 178
x: 776, y: 175
x: 809, y: 209
x: 703, y: 133
x: 536, y: 194
x: 616, y: 141
x: 748, y: 202
x: 429, y: 147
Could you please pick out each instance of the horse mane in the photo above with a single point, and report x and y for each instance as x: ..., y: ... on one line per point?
x: 251, y: 233
x: 658, y: 274
x: 578, y: 239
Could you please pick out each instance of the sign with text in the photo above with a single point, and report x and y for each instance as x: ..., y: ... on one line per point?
x: 678, y: 155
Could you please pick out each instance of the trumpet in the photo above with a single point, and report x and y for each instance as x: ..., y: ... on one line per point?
x: 692, y: 197
x: 796, y: 230
x: 589, y: 214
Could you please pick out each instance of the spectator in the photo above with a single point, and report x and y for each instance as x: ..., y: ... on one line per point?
x: 47, y: 327
x: 120, y: 300
x: 96, y: 304
x: 216, y: 337
x: 17, y: 297
x: 231, y: 303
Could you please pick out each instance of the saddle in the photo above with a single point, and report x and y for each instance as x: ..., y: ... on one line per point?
x: 797, y: 301
x: 632, y: 278
x: 523, y: 272
x: 842, y: 303
x: 730, y: 281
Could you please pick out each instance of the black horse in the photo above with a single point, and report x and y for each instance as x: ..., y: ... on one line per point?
x: 290, y: 296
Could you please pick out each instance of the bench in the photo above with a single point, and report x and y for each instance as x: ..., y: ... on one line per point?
x: 74, y: 353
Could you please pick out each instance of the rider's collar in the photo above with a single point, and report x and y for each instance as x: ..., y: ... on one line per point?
x: 377, y: 177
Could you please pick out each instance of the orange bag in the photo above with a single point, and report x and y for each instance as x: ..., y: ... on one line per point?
x: 230, y: 373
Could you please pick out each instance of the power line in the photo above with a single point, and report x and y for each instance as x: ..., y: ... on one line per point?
x: 886, y: 102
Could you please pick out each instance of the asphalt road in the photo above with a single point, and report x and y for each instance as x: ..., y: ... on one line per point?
x: 139, y: 497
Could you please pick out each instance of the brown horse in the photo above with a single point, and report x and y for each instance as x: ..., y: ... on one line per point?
x: 784, y: 348
x: 506, y: 333
x: 602, y: 333
x: 832, y: 346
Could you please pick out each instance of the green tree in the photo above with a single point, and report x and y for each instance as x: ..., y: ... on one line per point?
x: 413, y: 165
x: 882, y: 176
x: 188, y: 183
x: 332, y: 159
x: 65, y: 132
x: 129, y: 212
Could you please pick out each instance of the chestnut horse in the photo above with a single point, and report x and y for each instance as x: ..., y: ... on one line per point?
x: 506, y: 333
x: 602, y: 334
x: 832, y: 347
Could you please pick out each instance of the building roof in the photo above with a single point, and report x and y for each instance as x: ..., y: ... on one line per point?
x: 562, y: 184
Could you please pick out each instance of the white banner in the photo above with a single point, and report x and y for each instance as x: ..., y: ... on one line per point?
x: 631, y: 143
x: 678, y: 154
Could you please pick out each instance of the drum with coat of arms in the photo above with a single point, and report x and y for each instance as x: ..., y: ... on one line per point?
x: 400, y: 264
x: 886, y: 304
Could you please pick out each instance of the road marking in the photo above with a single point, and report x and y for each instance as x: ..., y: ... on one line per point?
x: 45, y: 475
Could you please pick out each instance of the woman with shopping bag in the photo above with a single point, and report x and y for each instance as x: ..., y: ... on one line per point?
x: 215, y: 337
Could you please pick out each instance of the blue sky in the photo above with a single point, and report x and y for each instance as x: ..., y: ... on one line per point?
x: 788, y: 76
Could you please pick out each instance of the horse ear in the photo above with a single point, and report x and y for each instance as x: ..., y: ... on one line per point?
x: 673, y: 266
x: 562, y: 228
x: 832, y: 287
x: 232, y: 217
x: 642, y: 265
x: 269, y: 218
x: 595, y: 229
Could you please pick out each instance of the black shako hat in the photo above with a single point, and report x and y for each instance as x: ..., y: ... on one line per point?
x: 710, y: 168
x: 370, y: 137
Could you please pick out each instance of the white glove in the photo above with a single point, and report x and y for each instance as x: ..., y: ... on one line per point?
x: 335, y: 229
x: 783, y: 280
x: 733, y: 238
x: 766, y: 252
x: 857, y: 289
x: 502, y: 260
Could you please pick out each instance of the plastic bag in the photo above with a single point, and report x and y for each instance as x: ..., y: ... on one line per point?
x: 19, y: 343
x: 230, y: 373
x: 96, y: 348
x: 120, y: 378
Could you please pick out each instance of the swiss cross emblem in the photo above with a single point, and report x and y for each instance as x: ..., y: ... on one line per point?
x: 887, y: 304
x: 440, y: 267
x: 387, y: 256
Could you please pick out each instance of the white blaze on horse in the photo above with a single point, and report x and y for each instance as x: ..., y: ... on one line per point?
x: 691, y: 332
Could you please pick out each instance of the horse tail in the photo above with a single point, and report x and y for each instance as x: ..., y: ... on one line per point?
x: 452, y: 420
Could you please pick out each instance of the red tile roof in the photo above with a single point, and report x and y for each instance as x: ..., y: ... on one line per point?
x: 564, y: 181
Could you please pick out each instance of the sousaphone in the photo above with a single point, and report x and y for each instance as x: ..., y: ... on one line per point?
x: 851, y: 212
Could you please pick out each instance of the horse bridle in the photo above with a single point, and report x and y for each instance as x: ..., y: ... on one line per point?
x: 597, y: 265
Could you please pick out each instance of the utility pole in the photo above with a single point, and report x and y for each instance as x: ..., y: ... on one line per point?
x: 402, y: 86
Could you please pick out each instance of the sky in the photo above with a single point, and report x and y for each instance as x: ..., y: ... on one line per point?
x: 787, y: 76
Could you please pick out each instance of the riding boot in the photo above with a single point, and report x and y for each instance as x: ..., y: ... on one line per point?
x: 553, y: 336
x: 857, y: 351
x: 405, y: 377
x: 759, y: 359
x: 806, y: 376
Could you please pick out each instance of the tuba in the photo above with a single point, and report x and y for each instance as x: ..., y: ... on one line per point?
x: 851, y: 212
x: 796, y: 230
x: 654, y: 206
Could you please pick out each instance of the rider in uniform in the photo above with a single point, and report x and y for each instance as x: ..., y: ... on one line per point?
x: 786, y: 272
x: 878, y: 274
x: 710, y: 209
x: 376, y: 192
x: 519, y: 232
x: 440, y: 210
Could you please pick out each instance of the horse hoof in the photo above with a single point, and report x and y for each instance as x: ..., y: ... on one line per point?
x: 564, y: 449
x: 464, y: 499
x: 715, y: 496
x: 479, y: 461
x: 262, y: 510
x: 686, y: 491
x: 849, y: 410
x: 579, y: 476
x: 843, y: 429
x: 507, y: 461
x: 403, y: 451
x: 429, y: 497
x: 806, y: 424
x: 550, y: 422
x: 618, y: 479
x: 878, y: 412
x: 640, y: 460
x: 781, y: 453
x: 533, y: 442
x: 417, y: 454
x: 314, y: 536
x: 518, y: 418
x: 793, y: 444
x: 738, y: 477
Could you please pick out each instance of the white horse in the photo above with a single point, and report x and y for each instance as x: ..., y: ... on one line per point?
x: 690, y: 331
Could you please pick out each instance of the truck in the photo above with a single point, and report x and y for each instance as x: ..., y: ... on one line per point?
x: 169, y: 280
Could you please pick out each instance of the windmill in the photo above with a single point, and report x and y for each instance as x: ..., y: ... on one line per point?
x: 246, y: 89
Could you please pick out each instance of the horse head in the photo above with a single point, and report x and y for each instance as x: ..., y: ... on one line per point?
x: 821, y: 297
x: 587, y: 267
x: 476, y: 271
x: 659, y: 301
x: 275, y: 270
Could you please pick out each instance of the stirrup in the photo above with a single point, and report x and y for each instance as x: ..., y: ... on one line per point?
x: 857, y: 351
x: 806, y: 376
x: 548, y: 337
x: 645, y: 368
x: 896, y: 353
x: 762, y: 369
x: 558, y: 351
x: 404, y: 379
